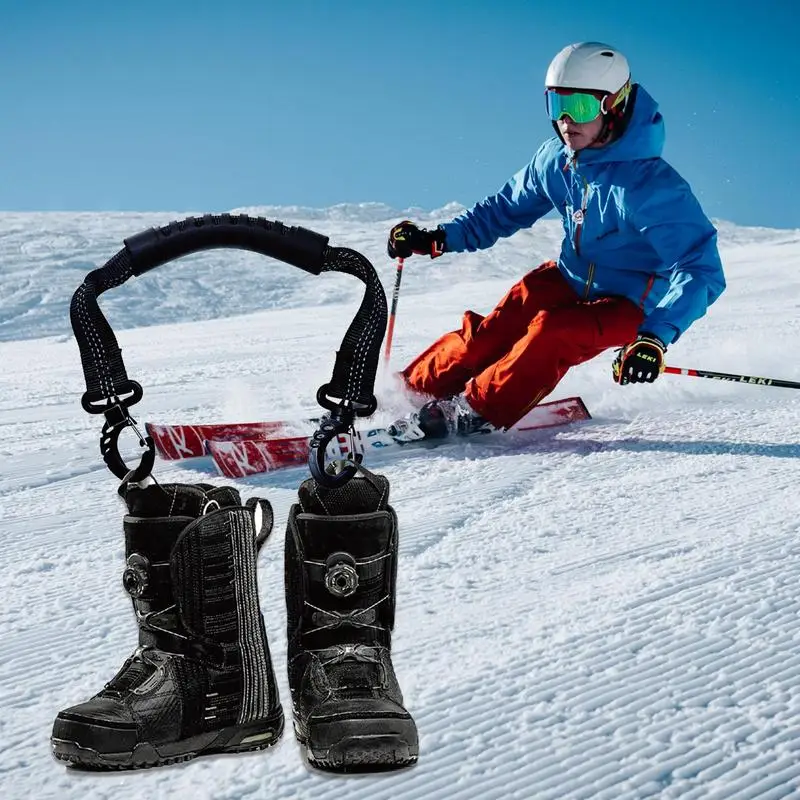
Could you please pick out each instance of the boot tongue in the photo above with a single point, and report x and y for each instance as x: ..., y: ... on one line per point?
x: 352, y: 668
x: 360, y: 495
x: 354, y: 518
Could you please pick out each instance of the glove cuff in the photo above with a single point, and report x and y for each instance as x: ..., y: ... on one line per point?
x: 438, y: 242
x: 650, y: 338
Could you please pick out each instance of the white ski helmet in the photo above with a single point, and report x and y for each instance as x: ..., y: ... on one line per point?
x: 591, y: 66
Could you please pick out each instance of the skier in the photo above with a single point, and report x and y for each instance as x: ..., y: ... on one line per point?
x: 638, y: 263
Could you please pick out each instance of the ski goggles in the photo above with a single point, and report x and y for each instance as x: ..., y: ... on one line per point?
x: 583, y: 107
x: 580, y: 107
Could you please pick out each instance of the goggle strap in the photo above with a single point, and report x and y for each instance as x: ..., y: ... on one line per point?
x: 620, y: 96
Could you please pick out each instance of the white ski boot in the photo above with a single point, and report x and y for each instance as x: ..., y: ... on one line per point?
x: 439, y: 419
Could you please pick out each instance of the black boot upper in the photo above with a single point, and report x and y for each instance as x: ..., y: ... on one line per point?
x: 341, y: 565
x: 202, y: 663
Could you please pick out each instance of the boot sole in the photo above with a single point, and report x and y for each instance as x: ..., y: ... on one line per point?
x: 361, y: 746
x: 257, y: 735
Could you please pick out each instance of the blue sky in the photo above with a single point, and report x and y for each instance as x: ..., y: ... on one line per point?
x: 201, y: 106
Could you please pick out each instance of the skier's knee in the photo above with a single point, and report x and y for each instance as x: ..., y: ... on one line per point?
x: 560, y: 323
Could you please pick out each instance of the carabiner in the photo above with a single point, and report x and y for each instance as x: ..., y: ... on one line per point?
x: 329, y: 428
x: 109, y: 437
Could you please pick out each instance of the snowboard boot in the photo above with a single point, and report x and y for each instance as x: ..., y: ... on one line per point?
x: 201, y: 680
x: 439, y: 419
x: 341, y: 570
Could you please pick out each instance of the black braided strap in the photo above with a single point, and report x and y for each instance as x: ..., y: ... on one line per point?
x: 103, y: 368
x: 356, y: 364
x: 109, y: 391
x: 101, y: 357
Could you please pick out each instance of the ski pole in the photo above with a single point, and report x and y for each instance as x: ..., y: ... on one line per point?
x: 395, y: 297
x: 728, y: 376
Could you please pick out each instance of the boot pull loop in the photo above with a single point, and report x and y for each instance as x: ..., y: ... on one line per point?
x: 372, y: 479
x: 132, y: 477
x: 341, y: 471
x: 262, y: 518
x: 211, y: 505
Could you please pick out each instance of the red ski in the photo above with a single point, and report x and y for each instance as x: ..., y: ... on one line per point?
x: 188, y: 441
x: 241, y: 457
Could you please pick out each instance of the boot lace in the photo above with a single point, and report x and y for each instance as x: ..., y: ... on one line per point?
x: 357, y: 617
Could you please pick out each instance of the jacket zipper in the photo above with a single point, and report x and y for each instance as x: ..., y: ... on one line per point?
x: 589, y: 279
x: 579, y: 228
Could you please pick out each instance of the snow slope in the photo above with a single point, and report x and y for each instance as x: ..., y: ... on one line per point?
x: 610, y: 614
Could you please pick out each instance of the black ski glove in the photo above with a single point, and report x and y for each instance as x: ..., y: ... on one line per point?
x: 406, y: 239
x: 641, y: 361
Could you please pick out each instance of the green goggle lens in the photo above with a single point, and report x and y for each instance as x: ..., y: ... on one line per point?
x: 578, y: 106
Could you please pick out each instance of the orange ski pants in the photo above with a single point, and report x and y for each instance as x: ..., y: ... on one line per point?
x: 508, y: 361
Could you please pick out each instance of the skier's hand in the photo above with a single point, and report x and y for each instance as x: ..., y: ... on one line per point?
x: 406, y: 239
x: 641, y: 361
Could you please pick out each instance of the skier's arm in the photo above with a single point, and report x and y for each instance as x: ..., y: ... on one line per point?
x: 670, y: 218
x: 516, y: 206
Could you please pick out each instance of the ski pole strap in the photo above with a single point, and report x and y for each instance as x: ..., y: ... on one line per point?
x: 730, y: 376
x: 110, y: 391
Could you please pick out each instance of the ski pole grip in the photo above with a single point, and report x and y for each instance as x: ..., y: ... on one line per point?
x: 297, y: 246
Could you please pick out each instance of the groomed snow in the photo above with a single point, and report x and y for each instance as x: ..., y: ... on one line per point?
x: 611, y: 613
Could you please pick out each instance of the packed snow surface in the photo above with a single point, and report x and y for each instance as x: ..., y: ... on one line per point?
x: 608, y: 612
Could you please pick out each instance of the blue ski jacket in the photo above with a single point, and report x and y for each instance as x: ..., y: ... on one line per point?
x: 632, y: 226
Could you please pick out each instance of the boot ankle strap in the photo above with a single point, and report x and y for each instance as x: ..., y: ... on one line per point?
x: 177, y: 644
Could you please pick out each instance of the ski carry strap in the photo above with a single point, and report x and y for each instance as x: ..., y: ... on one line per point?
x: 109, y: 390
